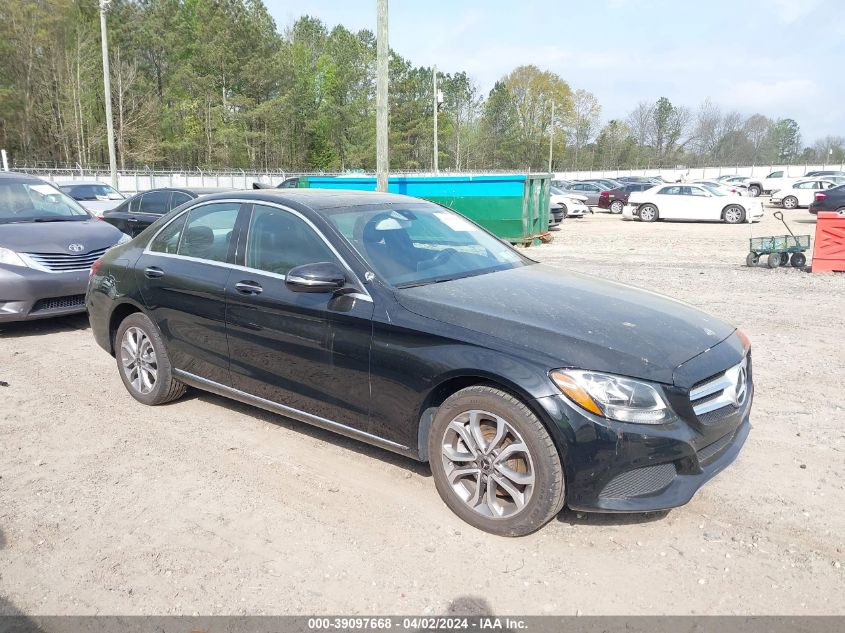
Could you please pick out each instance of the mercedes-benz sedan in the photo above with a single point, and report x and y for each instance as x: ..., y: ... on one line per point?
x: 400, y: 323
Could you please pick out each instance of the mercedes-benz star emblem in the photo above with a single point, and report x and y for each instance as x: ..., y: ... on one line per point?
x: 76, y: 248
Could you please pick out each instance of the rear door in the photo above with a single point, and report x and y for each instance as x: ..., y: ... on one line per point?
x: 182, y: 275
x: 307, y: 351
x: 153, y: 205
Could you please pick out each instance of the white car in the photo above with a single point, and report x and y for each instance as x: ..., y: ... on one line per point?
x: 96, y: 197
x: 735, y: 188
x: 573, y: 205
x: 691, y: 202
x: 801, y: 193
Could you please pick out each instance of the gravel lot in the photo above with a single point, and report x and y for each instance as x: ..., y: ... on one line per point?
x: 208, y: 506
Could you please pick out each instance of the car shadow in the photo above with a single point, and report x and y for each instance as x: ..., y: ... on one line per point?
x: 315, y: 432
x: 803, y: 220
x: 572, y: 517
x: 41, y: 327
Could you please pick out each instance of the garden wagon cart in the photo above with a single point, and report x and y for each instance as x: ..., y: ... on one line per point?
x: 780, y: 249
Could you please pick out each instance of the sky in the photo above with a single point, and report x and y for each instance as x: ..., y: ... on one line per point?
x: 782, y: 58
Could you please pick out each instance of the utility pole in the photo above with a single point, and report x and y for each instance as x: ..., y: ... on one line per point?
x: 382, y: 48
x: 551, y: 136
x: 436, y: 108
x: 107, y: 91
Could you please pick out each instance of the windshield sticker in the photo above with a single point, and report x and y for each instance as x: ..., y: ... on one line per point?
x: 455, y: 222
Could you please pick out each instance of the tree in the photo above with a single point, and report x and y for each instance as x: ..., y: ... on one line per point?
x: 583, y: 120
x: 785, y: 137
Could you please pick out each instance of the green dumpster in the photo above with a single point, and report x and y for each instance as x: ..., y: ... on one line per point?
x: 514, y: 207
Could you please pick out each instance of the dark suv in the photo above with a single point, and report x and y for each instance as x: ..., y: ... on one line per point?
x: 829, y: 200
x: 400, y: 323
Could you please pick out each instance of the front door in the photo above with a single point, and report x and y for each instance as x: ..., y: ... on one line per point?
x: 184, y: 273
x: 307, y: 351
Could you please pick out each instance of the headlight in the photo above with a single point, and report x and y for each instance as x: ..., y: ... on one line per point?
x: 11, y: 258
x: 612, y: 397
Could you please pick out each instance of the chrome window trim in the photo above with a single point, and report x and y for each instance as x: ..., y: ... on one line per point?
x: 363, y: 296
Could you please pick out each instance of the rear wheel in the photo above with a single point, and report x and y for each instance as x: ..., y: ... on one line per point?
x: 648, y: 213
x: 755, y: 190
x: 616, y: 206
x: 734, y: 214
x: 798, y: 260
x: 143, y: 362
x: 494, y: 463
x: 790, y: 202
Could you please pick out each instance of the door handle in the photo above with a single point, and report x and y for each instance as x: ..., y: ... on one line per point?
x: 153, y: 272
x: 133, y: 219
x: 249, y: 288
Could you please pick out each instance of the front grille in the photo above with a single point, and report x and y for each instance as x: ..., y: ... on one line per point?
x: 56, y: 303
x: 65, y: 262
x: 712, y: 450
x: 641, y: 481
x: 720, y: 396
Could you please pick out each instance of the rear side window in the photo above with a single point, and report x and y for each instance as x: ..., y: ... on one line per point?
x: 155, y: 202
x: 670, y: 191
x: 179, y: 198
x: 168, y: 240
x: 209, y: 230
x: 133, y: 205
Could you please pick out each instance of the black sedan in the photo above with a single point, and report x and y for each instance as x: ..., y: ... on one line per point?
x: 830, y: 200
x: 400, y: 323
x: 142, y: 209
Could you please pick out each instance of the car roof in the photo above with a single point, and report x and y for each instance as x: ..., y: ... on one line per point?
x: 12, y: 176
x: 319, y: 199
x: 84, y: 183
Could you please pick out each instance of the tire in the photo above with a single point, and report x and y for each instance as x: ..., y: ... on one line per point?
x: 518, y: 507
x: 143, y: 362
x: 840, y: 210
x: 798, y: 260
x: 790, y: 202
x: 616, y: 207
x: 773, y: 260
x: 565, y: 211
x: 733, y: 214
x: 755, y: 190
x: 784, y: 259
x: 752, y: 259
x: 648, y: 213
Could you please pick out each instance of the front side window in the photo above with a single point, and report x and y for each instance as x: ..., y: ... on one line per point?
x: 33, y: 201
x: 279, y: 240
x: 806, y: 185
x: 695, y: 191
x: 167, y: 241
x: 422, y: 243
x: 775, y: 174
x: 208, y: 231
x: 670, y: 191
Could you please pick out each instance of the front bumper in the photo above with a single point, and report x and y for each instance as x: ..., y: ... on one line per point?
x: 621, y: 467
x: 26, y: 293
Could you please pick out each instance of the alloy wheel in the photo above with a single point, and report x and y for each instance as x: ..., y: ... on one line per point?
x: 138, y: 360
x: 790, y: 202
x: 733, y: 215
x: 488, y: 464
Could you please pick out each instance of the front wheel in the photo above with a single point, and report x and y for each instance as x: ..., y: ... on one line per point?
x: 734, y: 214
x: 494, y: 464
x: 648, y: 213
x: 754, y: 190
x: 143, y: 362
x: 798, y: 260
x: 752, y: 259
x: 773, y: 260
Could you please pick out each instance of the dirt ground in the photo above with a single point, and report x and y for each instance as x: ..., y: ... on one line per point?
x: 208, y: 506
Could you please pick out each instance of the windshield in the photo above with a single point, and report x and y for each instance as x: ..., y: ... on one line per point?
x: 556, y: 192
x: 422, y: 243
x: 714, y: 190
x: 37, y: 202
x: 92, y: 192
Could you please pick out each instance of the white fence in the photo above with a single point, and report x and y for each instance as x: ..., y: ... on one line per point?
x: 690, y: 173
x: 141, y: 180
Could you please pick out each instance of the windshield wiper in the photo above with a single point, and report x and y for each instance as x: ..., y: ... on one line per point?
x: 425, y: 282
x: 68, y: 219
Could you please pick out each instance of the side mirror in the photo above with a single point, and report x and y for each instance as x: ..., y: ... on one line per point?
x: 320, y: 277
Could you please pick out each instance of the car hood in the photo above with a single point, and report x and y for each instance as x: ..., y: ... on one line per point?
x: 569, y: 319
x: 55, y: 237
